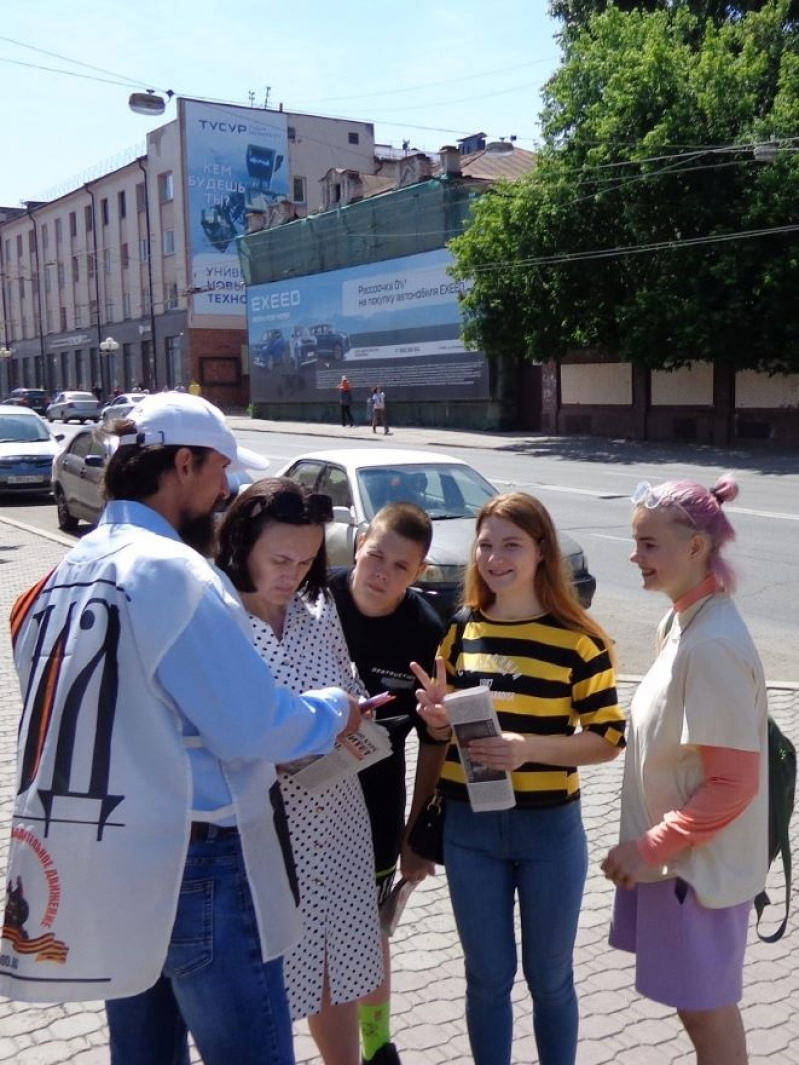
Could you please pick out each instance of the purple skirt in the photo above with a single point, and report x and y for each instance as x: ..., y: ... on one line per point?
x: 686, y: 955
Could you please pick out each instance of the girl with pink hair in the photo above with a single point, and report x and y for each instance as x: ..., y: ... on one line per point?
x: 694, y: 834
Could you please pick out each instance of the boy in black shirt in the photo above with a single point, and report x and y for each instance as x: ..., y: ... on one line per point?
x: 388, y: 626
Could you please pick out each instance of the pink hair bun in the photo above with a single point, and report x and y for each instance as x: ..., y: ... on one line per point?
x: 725, y: 489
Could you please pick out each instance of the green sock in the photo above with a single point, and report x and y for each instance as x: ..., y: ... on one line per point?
x: 375, y: 1028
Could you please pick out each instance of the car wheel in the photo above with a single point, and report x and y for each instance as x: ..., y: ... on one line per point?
x: 66, y: 521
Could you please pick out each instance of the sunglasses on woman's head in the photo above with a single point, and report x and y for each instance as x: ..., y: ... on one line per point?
x: 651, y: 498
x: 294, y: 509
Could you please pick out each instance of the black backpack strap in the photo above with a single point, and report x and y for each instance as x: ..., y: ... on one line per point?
x: 782, y: 782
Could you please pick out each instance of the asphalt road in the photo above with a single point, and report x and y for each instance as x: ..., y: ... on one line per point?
x: 586, y: 485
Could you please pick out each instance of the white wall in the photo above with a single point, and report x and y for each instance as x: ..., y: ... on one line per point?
x: 759, y: 390
x: 603, y: 383
x: 691, y: 386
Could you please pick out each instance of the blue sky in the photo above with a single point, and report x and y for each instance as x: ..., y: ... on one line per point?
x: 426, y: 72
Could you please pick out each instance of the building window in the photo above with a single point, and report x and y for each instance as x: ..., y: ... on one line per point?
x: 174, y: 375
x: 45, y: 236
x: 88, y: 217
x: 75, y: 270
x: 291, y: 133
x: 171, y: 296
x: 141, y: 199
x: 104, y: 215
x: 122, y: 206
x: 144, y: 249
x: 19, y: 245
x: 21, y: 286
x: 8, y: 251
x: 147, y: 301
x: 169, y: 241
x: 73, y: 224
x: 91, y: 265
x: 124, y: 256
x: 109, y: 310
x: 353, y: 138
x: 63, y: 319
x: 166, y: 187
x: 93, y: 315
x: 58, y: 230
x: 46, y: 279
x: 126, y: 310
x: 106, y: 260
x: 60, y: 269
x: 78, y: 314
x: 31, y: 242
x: 299, y: 189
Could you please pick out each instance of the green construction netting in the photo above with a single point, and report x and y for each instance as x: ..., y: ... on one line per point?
x: 410, y: 220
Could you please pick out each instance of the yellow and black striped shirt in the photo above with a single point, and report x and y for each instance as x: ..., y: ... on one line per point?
x: 545, y: 680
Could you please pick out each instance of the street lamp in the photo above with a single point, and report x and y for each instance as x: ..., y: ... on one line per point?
x: 108, y: 347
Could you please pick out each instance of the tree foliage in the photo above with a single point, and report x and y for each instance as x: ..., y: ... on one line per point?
x: 649, y: 127
x: 576, y: 13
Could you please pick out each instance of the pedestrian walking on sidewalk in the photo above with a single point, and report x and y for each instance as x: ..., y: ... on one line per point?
x: 345, y: 399
x: 379, y: 415
x: 694, y: 804
x: 149, y: 861
x: 549, y: 667
x: 272, y: 546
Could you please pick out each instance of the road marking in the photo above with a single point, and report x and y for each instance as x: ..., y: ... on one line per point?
x: 762, y: 513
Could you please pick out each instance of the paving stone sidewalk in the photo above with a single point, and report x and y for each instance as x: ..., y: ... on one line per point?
x: 617, y: 1026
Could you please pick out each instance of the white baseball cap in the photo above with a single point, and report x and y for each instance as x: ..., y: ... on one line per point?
x: 183, y: 420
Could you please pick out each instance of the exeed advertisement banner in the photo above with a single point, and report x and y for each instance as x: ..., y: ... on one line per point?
x: 236, y: 161
x: 394, y: 323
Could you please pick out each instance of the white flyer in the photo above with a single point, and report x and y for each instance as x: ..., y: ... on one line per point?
x: 353, y: 752
x: 473, y: 717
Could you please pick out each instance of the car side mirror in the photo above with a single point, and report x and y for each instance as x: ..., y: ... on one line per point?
x: 343, y: 516
x: 59, y: 437
x: 95, y: 461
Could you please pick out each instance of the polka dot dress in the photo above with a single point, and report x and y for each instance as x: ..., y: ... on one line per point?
x: 330, y: 833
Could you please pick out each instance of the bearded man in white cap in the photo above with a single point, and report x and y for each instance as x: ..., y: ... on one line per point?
x: 150, y: 864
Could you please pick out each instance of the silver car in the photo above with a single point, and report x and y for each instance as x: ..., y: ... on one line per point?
x: 362, y: 480
x: 121, y: 406
x: 74, y: 406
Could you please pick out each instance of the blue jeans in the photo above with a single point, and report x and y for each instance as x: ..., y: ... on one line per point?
x: 213, y: 982
x: 541, y: 857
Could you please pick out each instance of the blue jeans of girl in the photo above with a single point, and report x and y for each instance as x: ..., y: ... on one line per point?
x: 492, y: 859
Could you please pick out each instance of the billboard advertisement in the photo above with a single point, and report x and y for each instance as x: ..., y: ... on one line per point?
x: 236, y: 160
x: 393, y: 323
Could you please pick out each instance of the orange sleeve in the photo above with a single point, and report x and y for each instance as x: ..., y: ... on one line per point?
x: 731, y: 781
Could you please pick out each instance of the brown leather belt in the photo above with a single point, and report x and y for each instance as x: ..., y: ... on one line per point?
x: 204, y: 831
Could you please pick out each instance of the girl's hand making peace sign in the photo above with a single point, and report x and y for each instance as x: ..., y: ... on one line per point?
x: 430, y: 697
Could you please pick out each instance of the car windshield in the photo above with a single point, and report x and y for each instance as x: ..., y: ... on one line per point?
x: 442, y: 489
x: 17, y: 429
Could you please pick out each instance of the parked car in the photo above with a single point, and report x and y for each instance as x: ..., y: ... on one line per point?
x: 329, y: 341
x: 35, y: 398
x: 120, y: 406
x: 27, y: 450
x: 78, y: 473
x: 362, y: 480
x: 74, y: 406
x: 271, y: 350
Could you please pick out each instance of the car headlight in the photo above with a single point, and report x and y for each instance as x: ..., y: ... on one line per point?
x: 442, y: 575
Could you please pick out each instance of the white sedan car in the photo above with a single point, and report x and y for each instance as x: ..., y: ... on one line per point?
x: 121, y: 406
x: 362, y: 480
x: 27, y: 449
x: 74, y: 406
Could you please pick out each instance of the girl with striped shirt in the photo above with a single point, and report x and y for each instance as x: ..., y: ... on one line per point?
x: 549, y: 667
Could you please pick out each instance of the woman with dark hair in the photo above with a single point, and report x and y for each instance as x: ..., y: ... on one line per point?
x: 272, y: 546
x: 693, y: 850
x: 549, y: 668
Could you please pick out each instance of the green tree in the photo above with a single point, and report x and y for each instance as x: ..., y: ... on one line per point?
x: 576, y: 13
x: 649, y: 131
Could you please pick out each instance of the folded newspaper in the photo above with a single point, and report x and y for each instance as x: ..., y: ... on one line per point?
x: 353, y: 752
x: 473, y: 717
x: 392, y: 909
